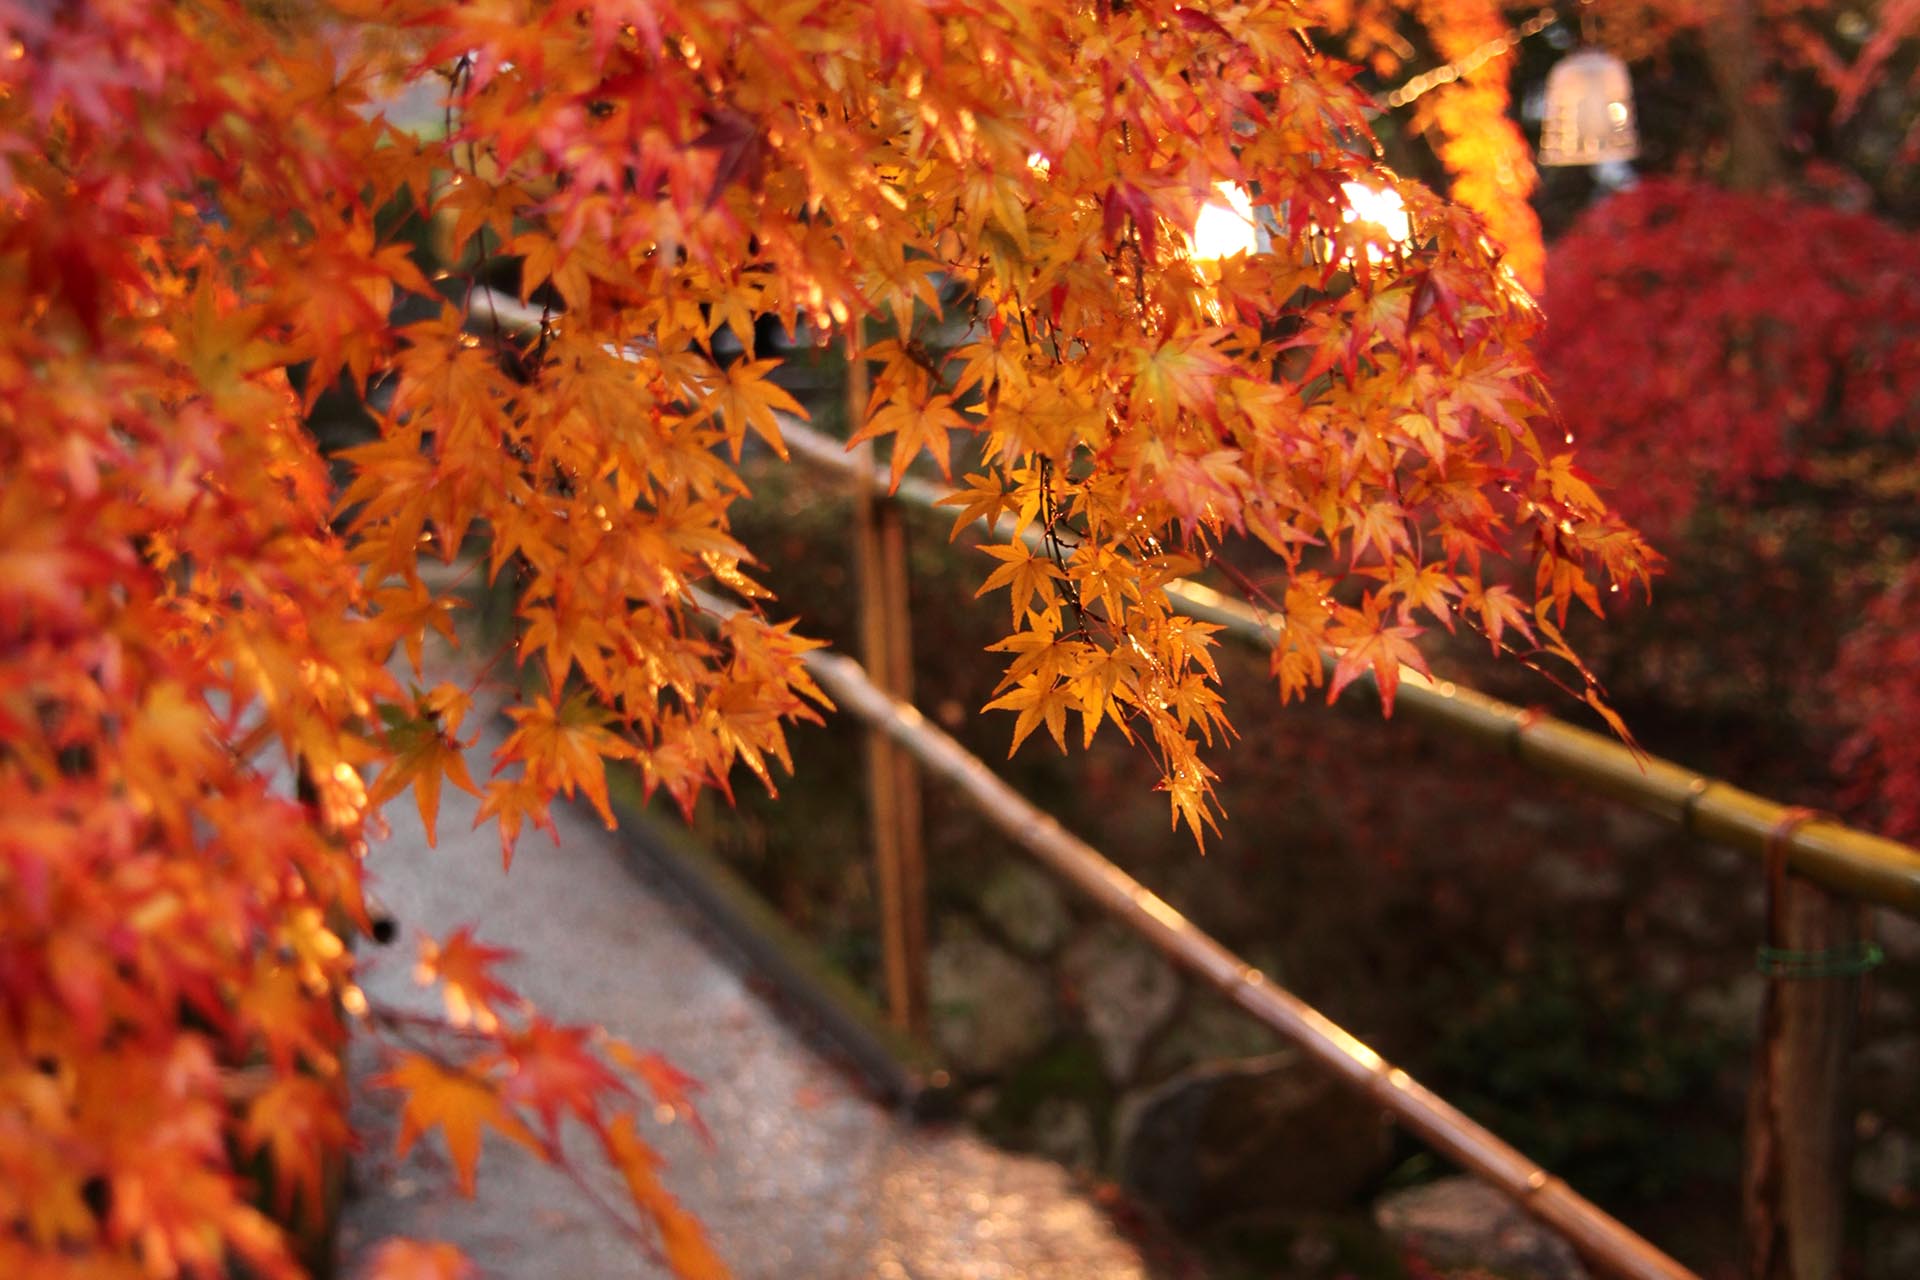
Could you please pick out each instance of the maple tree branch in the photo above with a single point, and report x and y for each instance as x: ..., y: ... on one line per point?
x: 398, y: 1021
x: 1251, y: 590
x: 641, y: 1238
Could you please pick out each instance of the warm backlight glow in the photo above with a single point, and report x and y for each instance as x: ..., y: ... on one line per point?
x: 1380, y: 211
x: 1225, y: 226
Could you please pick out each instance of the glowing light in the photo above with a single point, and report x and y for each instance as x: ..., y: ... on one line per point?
x: 1587, y: 117
x: 1380, y: 209
x: 1225, y: 226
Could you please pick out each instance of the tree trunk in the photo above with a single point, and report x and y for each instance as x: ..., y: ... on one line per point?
x: 1756, y: 120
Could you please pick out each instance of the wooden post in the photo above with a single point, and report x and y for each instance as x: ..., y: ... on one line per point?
x: 1795, y: 1180
x: 893, y: 782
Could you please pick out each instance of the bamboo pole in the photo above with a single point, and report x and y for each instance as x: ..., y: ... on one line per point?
x: 1794, y: 1183
x: 906, y: 773
x: 1826, y: 852
x: 1603, y: 1240
x: 892, y: 783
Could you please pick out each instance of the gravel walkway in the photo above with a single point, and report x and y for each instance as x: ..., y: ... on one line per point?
x: 806, y: 1177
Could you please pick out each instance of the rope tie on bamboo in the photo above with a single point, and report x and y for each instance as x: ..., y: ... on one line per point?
x: 1785, y: 962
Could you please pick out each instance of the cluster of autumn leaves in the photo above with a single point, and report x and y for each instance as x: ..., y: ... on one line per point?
x: 210, y: 655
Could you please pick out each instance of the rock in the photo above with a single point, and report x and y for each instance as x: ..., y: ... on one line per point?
x: 1265, y: 1134
x: 1633, y: 830
x: 1884, y: 1071
x: 1731, y: 1008
x: 1062, y: 1130
x: 1898, y: 933
x: 1893, y: 1251
x: 1666, y: 972
x: 1534, y: 813
x: 1126, y: 992
x: 1888, y: 1169
x: 1889, y: 1006
x: 1208, y: 1029
x: 1461, y: 1222
x: 1568, y: 877
x: 988, y: 1009
x: 1026, y: 906
x: 1683, y: 908
x: 1717, y: 859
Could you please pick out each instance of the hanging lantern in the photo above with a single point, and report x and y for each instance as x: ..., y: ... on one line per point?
x: 1589, y: 111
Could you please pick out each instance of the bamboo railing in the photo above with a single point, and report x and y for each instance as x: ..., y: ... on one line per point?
x: 1818, y: 872
x: 1602, y: 1239
x: 1829, y: 853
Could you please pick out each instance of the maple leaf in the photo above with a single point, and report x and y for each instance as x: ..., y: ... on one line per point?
x: 276, y: 1007
x: 914, y: 427
x: 1180, y: 375
x: 410, y: 611
x: 1426, y: 586
x: 462, y: 967
x: 424, y: 750
x: 566, y: 747
x: 296, y: 1120
x: 1499, y: 609
x: 458, y: 1101
x: 418, y: 1260
x: 1038, y: 702
x: 1568, y: 484
x: 744, y: 399
x: 509, y: 802
x: 1040, y: 653
x: 1189, y: 788
x: 1381, y: 528
x: 989, y: 366
x: 1365, y: 640
x: 982, y: 500
x: 553, y: 1070
x: 1024, y: 575
x: 670, y: 1086
x: 688, y: 1253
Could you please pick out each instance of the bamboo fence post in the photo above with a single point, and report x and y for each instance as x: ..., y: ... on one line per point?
x: 1794, y: 1182
x: 893, y: 783
x: 906, y: 775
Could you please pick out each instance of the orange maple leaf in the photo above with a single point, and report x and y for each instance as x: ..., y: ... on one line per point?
x: 298, y: 1119
x: 418, y: 1260
x: 463, y: 967
x: 458, y: 1101
x: 566, y: 747
x: 670, y: 1086
x: 687, y: 1250
x: 1365, y: 640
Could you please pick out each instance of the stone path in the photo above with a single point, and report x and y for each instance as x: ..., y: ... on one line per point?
x: 806, y: 1177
